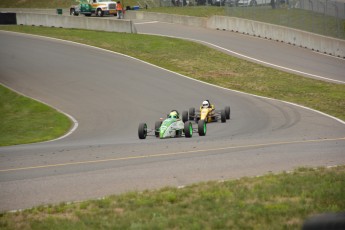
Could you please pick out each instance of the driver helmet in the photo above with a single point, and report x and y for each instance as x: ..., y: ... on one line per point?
x: 205, y: 104
x: 173, y: 114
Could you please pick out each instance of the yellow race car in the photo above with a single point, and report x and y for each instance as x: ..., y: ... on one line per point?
x: 207, y: 113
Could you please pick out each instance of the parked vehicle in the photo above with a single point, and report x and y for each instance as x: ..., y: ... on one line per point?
x: 94, y: 7
x: 252, y: 2
x: 210, y: 2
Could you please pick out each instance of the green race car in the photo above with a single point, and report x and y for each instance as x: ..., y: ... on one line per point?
x: 172, y: 126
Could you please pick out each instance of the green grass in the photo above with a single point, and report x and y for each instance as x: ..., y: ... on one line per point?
x: 281, y: 201
x: 37, y: 3
x: 206, y: 64
x: 196, y: 11
x: 23, y: 120
x: 295, y: 18
x: 46, y: 4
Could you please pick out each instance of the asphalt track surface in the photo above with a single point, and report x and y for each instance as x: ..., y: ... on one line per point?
x: 274, y: 54
x: 109, y: 94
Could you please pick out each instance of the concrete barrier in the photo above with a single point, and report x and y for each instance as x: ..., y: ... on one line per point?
x: 102, y: 24
x: 169, y: 18
x: 323, y: 44
x: 319, y: 43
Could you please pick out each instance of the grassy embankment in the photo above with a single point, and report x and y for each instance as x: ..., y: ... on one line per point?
x: 280, y: 201
x: 23, y: 120
x: 42, y: 4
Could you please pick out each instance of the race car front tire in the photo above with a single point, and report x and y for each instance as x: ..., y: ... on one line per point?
x: 191, y: 113
x: 188, y: 129
x: 142, y: 131
x: 227, y: 112
x: 184, y: 116
x: 202, y: 127
x: 223, y: 116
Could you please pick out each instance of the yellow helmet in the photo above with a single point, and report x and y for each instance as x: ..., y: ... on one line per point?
x: 173, y: 114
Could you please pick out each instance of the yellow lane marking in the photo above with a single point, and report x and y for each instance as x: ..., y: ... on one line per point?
x: 170, y: 154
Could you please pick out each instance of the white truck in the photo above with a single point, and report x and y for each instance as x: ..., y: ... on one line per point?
x: 96, y: 7
x: 253, y: 2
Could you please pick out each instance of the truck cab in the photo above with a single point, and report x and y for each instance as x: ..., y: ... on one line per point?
x: 96, y: 7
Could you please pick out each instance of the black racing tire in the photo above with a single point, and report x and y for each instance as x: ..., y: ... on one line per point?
x: 329, y: 221
x: 191, y: 113
x: 222, y: 116
x: 99, y: 13
x: 227, y: 112
x: 142, y: 131
x: 184, y: 116
x: 157, y: 127
x: 188, y: 129
x: 202, y: 127
x: 72, y: 12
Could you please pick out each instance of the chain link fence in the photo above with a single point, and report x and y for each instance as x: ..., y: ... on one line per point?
x: 324, y: 17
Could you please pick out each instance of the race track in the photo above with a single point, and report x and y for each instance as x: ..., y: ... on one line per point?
x: 274, y: 54
x: 109, y: 95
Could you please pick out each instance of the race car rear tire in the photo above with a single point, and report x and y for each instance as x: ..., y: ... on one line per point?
x: 184, y: 116
x: 188, y: 129
x: 157, y: 127
x: 223, y: 116
x: 227, y: 112
x: 202, y: 127
x: 142, y: 131
x: 191, y: 113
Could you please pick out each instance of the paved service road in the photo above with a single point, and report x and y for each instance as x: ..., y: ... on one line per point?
x: 271, y: 53
x: 109, y: 95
